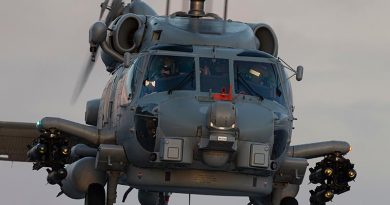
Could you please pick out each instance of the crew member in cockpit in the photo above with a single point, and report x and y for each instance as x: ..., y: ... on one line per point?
x: 167, y: 67
x: 161, y: 69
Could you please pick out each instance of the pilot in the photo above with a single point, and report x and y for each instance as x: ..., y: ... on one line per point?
x: 162, y: 68
x: 167, y: 67
x: 204, y: 70
x: 213, y: 67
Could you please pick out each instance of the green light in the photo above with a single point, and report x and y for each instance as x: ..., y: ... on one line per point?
x: 39, y: 124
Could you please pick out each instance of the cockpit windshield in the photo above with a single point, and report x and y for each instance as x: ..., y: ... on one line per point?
x: 165, y: 73
x: 255, y: 78
x: 170, y: 73
x: 214, y: 75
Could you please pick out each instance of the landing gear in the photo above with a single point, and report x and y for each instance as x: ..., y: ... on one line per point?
x: 95, y: 195
x: 164, y: 198
x: 267, y: 201
x: 148, y: 198
x: 289, y: 201
x: 153, y: 198
x: 260, y: 200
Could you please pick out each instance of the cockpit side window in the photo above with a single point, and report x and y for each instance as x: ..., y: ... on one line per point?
x: 256, y: 78
x: 214, y: 75
x: 132, y: 76
x: 288, y: 92
x: 166, y: 73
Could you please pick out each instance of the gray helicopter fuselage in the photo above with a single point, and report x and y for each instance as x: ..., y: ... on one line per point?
x: 195, y: 104
x: 263, y: 127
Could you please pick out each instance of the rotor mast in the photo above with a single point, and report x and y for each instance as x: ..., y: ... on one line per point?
x: 197, y: 8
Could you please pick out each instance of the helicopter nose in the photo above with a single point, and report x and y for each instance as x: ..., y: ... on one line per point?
x: 214, y: 131
x: 222, y: 115
x: 222, y: 134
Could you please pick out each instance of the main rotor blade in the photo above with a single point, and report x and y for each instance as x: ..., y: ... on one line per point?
x: 83, y: 79
x: 103, y: 6
x: 117, y: 7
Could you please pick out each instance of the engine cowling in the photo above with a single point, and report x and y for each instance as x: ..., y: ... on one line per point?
x: 81, y: 174
x: 266, y: 36
x: 126, y: 33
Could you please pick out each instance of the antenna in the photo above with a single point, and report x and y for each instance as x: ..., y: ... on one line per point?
x: 167, y: 7
x: 225, y: 10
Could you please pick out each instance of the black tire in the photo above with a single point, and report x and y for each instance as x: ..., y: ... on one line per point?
x: 260, y: 200
x: 96, y: 195
x: 148, y: 198
x: 289, y: 201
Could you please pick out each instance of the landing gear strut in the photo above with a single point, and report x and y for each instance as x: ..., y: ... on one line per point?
x: 95, y: 195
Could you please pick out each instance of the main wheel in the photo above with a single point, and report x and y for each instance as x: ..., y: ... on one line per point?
x: 289, y: 201
x: 148, y: 197
x: 260, y: 200
x: 95, y: 195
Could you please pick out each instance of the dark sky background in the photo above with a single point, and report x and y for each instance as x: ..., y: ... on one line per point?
x: 343, y: 45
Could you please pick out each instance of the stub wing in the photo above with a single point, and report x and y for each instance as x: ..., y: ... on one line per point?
x: 14, y: 139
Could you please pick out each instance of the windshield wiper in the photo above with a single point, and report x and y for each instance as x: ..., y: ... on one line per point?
x: 249, y: 87
x: 181, y: 83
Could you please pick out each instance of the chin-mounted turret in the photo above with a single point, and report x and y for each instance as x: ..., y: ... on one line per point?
x: 222, y: 134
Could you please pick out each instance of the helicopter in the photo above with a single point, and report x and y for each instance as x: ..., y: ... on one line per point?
x: 233, y: 137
